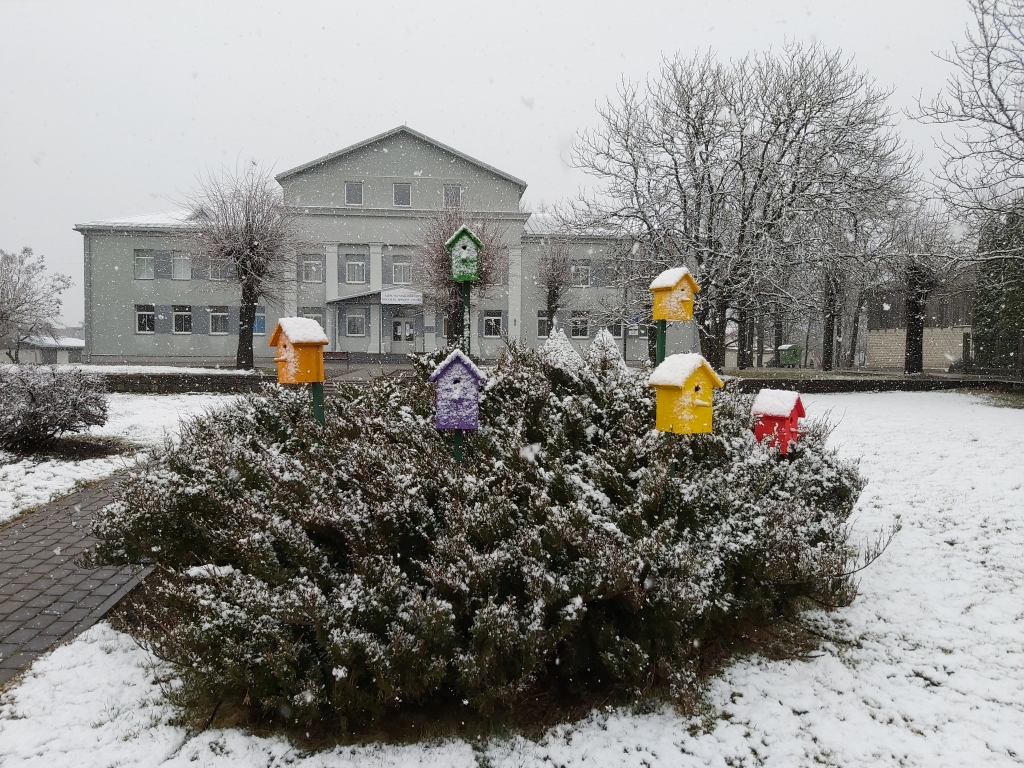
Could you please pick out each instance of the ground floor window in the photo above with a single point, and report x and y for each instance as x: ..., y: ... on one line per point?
x: 543, y: 324
x: 145, y: 318
x: 314, y: 313
x: 580, y: 325
x: 259, y: 323
x: 492, y: 323
x: 616, y: 329
x: 218, y: 321
x: 182, y: 316
x: 355, y: 324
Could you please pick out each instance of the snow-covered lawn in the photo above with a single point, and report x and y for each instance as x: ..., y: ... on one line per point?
x: 139, y: 419
x: 934, y: 675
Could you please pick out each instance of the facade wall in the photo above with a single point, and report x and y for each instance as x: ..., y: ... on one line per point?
x: 942, y: 347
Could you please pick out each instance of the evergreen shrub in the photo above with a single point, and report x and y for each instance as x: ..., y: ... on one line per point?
x: 40, y: 403
x: 337, y: 575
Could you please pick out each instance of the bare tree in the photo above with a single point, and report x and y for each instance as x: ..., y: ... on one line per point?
x: 438, y: 287
x: 727, y: 168
x: 240, y: 223
x: 555, y: 274
x: 983, y: 160
x: 29, y: 299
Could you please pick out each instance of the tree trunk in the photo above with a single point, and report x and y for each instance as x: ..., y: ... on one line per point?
x: 714, y: 348
x: 914, y: 300
x: 828, y: 333
x: 851, y: 357
x: 553, y: 300
x: 777, y: 339
x: 760, y: 340
x: 246, y: 318
x: 742, y: 335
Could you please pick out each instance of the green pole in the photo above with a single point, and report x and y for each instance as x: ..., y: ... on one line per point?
x: 465, y: 316
x: 458, y: 445
x: 659, y: 354
x: 318, y: 401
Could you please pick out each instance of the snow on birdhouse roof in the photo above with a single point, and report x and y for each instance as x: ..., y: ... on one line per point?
x: 777, y: 402
x: 463, y: 230
x: 670, y: 278
x: 299, y: 330
x: 457, y: 356
x: 676, y: 369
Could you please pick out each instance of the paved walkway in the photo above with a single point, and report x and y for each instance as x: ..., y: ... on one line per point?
x: 45, y: 598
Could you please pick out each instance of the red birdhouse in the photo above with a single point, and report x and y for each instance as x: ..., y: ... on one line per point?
x: 777, y: 414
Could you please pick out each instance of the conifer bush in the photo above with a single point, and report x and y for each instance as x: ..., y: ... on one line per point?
x: 334, y: 575
x: 40, y: 403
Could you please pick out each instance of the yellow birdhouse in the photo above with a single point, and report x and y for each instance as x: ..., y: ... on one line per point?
x: 685, y: 385
x: 673, y: 293
x: 300, y: 350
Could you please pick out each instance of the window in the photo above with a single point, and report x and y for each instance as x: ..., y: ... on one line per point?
x: 579, y: 327
x: 181, y: 266
x: 445, y: 330
x: 219, y: 269
x: 492, y: 323
x: 355, y: 325
x: 452, y: 196
x: 616, y: 329
x: 543, y: 325
x: 579, y: 275
x: 353, y: 193
x: 314, y: 313
x: 144, y: 265
x: 402, y: 273
x: 218, y: 321
x: 145, y: 318
x: 259, y: 323
x: 49, y: 356
x: 182, y: 318
x: 403, y: 195
x: 312, y: 269
x: 355, y: 268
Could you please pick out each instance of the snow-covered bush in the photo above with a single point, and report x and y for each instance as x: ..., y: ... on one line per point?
x: 332, y: 575
x: 40, y: 403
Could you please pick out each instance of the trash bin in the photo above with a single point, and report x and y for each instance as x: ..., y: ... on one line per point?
x: 789, y: 355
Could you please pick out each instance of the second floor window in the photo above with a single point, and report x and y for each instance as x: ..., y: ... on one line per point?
x: 182, y: 318
x: 579, y: 275
x: 355, y: 268
x: 403, y: 273
x: 145, y: 318
x: 181, y: 266
x: 353, y: 193
x: 312, y: 269
x: 218, y: 269
x: 218, y: 321
x: 403, y: 195
x: 145, y: 265
x: 452, y: 196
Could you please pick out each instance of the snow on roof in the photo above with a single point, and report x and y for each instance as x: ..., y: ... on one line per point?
x: 61, y: 342
x: 775, y: 402
x: 669, y: 278
x: 559, y: 352
x: 302, y: 330
x: 676, y: 369
x: 463, y: 230
x: 541, y: 224
x: 457, y: 356
x: 163, y: 220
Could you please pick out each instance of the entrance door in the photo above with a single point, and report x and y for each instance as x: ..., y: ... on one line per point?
x: 403, y: 335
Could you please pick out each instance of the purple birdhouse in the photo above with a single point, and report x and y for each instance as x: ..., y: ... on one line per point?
x: 458, y: 392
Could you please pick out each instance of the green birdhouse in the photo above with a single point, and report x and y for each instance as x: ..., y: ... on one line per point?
x: 464, y: 248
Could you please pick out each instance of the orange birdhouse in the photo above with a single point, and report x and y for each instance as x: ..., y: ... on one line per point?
x: 777, y: 413
x: 685, y: 385
x: 673, y: 293
x: 300, y: 350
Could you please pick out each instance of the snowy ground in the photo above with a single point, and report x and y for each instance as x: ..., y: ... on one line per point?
x: 935, y: 675
x: 140, y: 419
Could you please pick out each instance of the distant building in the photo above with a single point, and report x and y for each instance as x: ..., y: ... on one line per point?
x: 947, y: 328
x: 361, y: 210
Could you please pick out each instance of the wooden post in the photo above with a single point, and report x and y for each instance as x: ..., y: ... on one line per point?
x: 458, y: 445
x: 318, y: 402
x: 466, y: 318
x: 662, y: 329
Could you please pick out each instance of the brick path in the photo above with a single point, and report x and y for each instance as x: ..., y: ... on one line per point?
x: 45, y: 598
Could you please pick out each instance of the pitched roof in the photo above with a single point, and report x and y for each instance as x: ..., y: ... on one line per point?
x: 394, y: 132
x: 459, y: 357
x: 299, y: 331
x: 676, y: 369
x: 777, y: 402
x: 671, y: 278
x: 148, y: 221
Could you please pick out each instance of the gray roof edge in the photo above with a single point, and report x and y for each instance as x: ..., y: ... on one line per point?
x: 393, y: 132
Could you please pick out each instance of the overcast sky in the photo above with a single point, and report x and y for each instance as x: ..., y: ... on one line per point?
x: 112, y: 109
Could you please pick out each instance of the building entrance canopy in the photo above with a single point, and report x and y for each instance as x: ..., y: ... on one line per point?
x: 387, y: 297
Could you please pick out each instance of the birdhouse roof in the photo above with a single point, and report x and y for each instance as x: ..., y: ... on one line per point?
x: 671, y: 278
x: 676, y: 370
x: 461, y: 232
x: 777, y: 402
x: 457, y: 357
x: 300, y: 331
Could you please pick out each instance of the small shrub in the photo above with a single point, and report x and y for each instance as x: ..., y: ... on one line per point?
x: 39, y: 404
x: 338, y: 575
